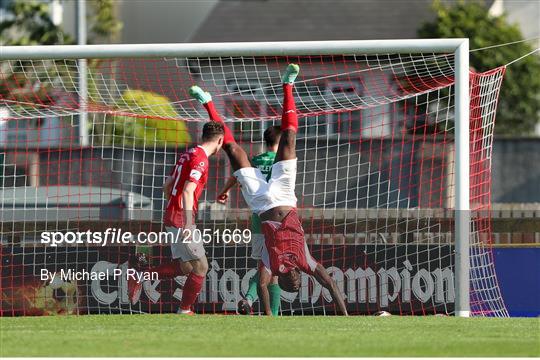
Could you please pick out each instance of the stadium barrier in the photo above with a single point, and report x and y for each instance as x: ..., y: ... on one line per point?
x: 424, y: 283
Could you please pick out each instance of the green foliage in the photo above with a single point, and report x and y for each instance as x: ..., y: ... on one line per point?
x: 519, y: 103
x: 31, y: 25
x: 157, y: 125
x: 103, y: 23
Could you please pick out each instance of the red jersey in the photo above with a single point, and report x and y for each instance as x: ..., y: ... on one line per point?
x: 286, y: 246
x: 192, y: 165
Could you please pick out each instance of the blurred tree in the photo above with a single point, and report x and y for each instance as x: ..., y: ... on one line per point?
x: 158, y: 123
x: 103, y: 23
x: 519, y: 103
x: 30, y: 23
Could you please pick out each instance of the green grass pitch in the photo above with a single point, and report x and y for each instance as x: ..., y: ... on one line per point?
x: 214, y: 335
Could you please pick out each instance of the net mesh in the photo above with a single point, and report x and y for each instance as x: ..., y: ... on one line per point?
x: 375, y: 179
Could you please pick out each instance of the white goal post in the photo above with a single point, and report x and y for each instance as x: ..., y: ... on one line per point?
x: 458, y: 47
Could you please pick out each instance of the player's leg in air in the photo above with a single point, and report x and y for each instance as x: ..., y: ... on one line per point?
x: 285, y: 253
x: 239, y: 160
x: 236, y: 154
x: 253, y: 183
x: 182, y: 190
x: 286, y: 250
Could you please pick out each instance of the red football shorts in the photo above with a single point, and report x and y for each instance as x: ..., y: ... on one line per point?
x: 285, y: 246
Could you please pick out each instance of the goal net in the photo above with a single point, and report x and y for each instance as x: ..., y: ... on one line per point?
x: 376, y: 183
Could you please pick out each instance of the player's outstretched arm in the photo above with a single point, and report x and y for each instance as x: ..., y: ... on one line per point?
x: 325, y: 280
x: 237, y: 155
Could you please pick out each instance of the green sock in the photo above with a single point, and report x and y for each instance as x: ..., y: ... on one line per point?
x: 290, y: 74
x: 275, y: 298
x: 202, y: 96
x: 251, y: 294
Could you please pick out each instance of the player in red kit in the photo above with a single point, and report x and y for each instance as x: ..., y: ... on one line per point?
x: 285, y: 251
x: 182, y: 190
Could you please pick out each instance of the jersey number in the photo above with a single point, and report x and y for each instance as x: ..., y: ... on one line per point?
x: 177, y: 173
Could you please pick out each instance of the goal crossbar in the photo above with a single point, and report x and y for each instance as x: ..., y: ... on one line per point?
x: 231, y: 49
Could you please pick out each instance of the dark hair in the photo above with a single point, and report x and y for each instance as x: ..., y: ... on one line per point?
x: 290, y: 281
x: 211, y: 130
x: 271, y: 135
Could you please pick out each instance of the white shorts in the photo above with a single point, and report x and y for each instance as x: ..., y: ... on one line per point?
x: 262, y: 195
x: 185, y: 251
x: 257, y: 244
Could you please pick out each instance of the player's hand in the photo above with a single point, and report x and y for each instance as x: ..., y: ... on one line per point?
x: 223, y: 197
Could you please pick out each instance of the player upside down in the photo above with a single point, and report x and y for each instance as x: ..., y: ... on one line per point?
x: 285, y: 253
x: 263, y: 162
